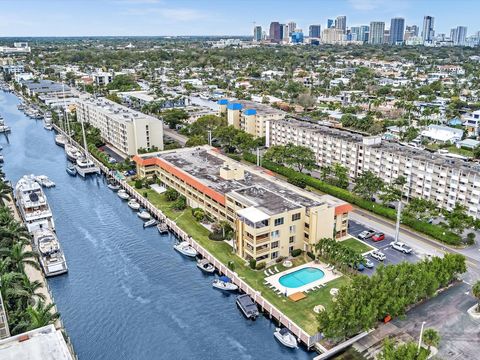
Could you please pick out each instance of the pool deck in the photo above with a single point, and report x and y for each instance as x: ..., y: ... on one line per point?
x: 274, y: 280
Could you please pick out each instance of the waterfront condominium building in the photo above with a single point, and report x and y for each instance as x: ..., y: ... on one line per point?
x: 275, y: 32
x: 314, y: 31
x: 249, y: 116
x: 332, y: 36
x: 376, y: 34
x: 397, y: 28
x: 443, y: 180
x: 428, y: 32
x: 257, y: 33
x: 341, y: 23
x: 270, y: 217
x: 125, y: 129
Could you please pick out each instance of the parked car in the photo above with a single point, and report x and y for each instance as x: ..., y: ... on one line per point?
x: 358, y: 267
x: 368, y: 263
x: 378, y: 236
x: 399, y: 246
x: 378, y: 255
x: 366, y: 234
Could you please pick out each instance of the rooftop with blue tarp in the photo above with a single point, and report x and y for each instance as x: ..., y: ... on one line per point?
x: 250, y: 112
x: 222, y: 102
x: 234, y: 106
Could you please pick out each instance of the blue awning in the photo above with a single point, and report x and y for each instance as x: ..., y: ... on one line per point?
x: 225, y: 279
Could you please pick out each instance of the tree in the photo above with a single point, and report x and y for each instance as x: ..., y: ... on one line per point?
x: 243, y: 141
x: 306, y: 100
x: 421, y: 209
x: 5, y: 192
x: 38, y: 316
x: 171, y: 194
x: 299, y: 157
x: 431, y: 338
x: 174, y: 117
x: 180, y: 204
x: 407, y: 351
x: 457, y: 219
x: 18, y: 257
x: 368, y: 184
x: 476, y: 293
x: 196, y: 140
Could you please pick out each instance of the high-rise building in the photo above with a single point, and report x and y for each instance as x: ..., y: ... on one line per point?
x: 332, y: 36
x: 458, y: 35
x: 427, y: 31
x: 284, y: 32
x: 341, y: 23
x: 292, y: 26
x: 314, y: 31
x: 359, y: 33
x: 376, y: 34
x: 275, y: 31
x: 329, y: 23
x: 257, y: 33
x: 397, y: 27
x: 297, y: 37
x: 410, y: 32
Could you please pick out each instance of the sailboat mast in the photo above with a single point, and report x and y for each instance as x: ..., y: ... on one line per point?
x: 65, y: 112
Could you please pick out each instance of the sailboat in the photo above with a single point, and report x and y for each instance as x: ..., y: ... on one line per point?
x: 84, y: 164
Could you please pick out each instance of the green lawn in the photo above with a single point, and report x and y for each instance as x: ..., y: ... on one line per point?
x: 300, y: 312
x: 357, y: 245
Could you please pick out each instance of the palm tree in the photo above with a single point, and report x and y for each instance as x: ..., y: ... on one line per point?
x: 476, y: 293
x: 31, y: 289
x: 18, y: 257
x: 431, y: 338
x: 37, y: 316
x: 5, y: 192
x: 13, y: 232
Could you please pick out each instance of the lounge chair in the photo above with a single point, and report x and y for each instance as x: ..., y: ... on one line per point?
x: 270, y: 271
x: 266, y: 273
x: 276, y: 270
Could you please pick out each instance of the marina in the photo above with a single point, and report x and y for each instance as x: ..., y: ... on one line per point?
x: 118, y: 270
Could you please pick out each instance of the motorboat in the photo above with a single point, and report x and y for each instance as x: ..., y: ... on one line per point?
x: 33, y: 205
x: 205, y: 266
x: 149, y: 223
x: 86, y: 166
x: 1, y: 159
x: 122, y: 194
x: 47, y: 122
x: 133, y: 204
x: 60, y: 140
x: 247, y: 306
x: 144, y: 215
x: 113, y: 186
x: 286, y: 338
x: 44, y: 181
x: 51, y: 256
x: 71, y: 169
x: 185, y: 248
x: 72, y: 153
x: 224, y: 283
x: 162, y: 228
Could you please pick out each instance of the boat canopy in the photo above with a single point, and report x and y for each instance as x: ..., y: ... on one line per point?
x: 225, y: 279
x: 284, y: 331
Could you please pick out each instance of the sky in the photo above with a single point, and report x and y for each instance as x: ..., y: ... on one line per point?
x: 217, y: 17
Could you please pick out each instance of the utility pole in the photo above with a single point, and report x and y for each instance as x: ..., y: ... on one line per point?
x: 258, y: 156
x: 420, y: 339
x: 210, y: 137
x: 399, y: 216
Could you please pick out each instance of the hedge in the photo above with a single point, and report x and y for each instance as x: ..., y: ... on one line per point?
x: 432, y: 230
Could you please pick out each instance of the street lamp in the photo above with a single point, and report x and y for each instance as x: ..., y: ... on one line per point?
x: 420, y: 338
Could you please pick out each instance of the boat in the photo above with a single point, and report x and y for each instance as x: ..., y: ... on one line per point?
x: 71, y: 169
x: 44, y: 181
x: 72, y: 153
x: 47, y: 122
x: 32, y: 203
x: 113, y: 186
x: 85, y: 166
x: 133, y: 204
x: 122, y: 194
x: 60, y: 140
x: 162, y: 228
x: 51, y: 256
x: 224, y: 283
x: 285, y: 337
x: 151, y: 222
x: 248, y: 307
x: 205, y: 266
x: 1, y: 159
x: 144, y: 215
x: 185, y: 248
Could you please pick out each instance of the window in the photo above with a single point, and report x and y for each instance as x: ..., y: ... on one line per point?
x: 290, y: 249
x: 275, y: 255
x: 275, y: 234
x: 296, y: 217
x: 279, y: 221
x: 293, y: 229
x: 274, y: 245
x: 291, y: 239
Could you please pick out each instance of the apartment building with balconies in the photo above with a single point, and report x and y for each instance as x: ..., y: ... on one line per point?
x: 431, y: 176
x: 125, y: 129
x: 270, y: 216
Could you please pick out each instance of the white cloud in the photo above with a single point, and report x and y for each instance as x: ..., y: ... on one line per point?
x: 173, y: 14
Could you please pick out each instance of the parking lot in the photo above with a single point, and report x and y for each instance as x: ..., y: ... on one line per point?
x: 392, y: 256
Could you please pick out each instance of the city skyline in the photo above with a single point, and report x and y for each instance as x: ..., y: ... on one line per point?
x: 214, y: 17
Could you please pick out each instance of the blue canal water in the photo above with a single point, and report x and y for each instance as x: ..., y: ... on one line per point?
x: 128, y: 294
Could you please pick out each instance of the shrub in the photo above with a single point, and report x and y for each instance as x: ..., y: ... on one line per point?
x: 298, y: 181
x: 253, y: 263
x: 198, y: 214
x: 231, y: 265
x: 260, y: 266
x: 171, y: 194
x: 470, y: 238
x: 180, y: 203
x: 279, y: 259
x: 145, y: 194
x: 311, y: 255
x: 138, y: 184
x: 215, y: 236
x: 296, y: 252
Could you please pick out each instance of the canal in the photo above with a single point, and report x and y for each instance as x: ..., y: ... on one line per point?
x: 128, y: 294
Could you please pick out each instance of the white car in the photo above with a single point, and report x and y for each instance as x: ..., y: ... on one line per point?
x: 368, y: 263
x: 399, y: 246
x: 366, y: 234
x: 378, y: 255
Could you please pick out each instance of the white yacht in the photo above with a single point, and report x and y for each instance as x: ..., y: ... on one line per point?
x: 33, y: 205
x: 122, y: 194
x: 286, y: 337
x: 224, y: 283
x: 72, y: 153
x: 86, y: 166
x: 60, y: 140
x: 205, y: 266
x: 51, y: 256
x: 184, y: 248
x: 144, y: 215
x: 133, y: 204
x: 47, y: 122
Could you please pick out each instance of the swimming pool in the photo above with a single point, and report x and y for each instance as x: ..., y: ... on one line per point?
x: 301, y: 277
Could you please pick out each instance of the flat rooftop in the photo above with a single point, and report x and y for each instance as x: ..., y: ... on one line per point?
x: 257, y: 188
x: 45, y: 343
